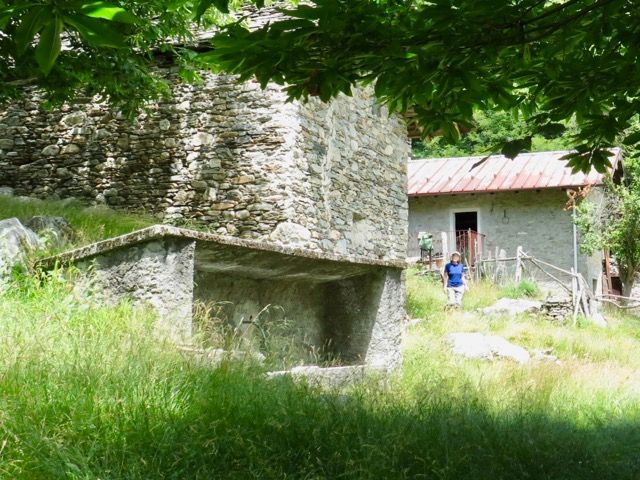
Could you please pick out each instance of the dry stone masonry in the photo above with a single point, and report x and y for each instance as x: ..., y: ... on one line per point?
x: 306, y: 204
x: 322, y: 176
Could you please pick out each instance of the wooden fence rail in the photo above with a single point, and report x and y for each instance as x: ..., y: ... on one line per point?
x: 583, y: 298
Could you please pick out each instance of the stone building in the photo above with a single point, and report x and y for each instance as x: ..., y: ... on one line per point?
x: 241, y: 161
x: 304, y: 203
x: 500, y: 205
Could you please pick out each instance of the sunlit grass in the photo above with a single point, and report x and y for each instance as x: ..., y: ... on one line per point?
x: 91, y: 392
x: 91, y: 224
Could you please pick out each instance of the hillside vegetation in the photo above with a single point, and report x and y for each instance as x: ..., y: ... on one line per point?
x: 90, y: 392
x: 91, y: 224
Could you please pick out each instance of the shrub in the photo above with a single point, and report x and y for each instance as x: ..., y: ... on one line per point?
x: 524, y: 289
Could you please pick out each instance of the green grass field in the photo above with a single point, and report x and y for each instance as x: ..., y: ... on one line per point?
x: 91, y: 224
x: 90, y: 392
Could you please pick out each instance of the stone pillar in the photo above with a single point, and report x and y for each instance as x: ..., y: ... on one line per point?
x: 158, y: 273
x: 363, y: 318
x: 386, y: 334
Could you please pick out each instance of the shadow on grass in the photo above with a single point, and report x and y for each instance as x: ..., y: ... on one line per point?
x: 231, y: 423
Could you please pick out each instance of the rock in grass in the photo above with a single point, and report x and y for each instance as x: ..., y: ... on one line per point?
x: 477, y: 345
x: 53, y: 231
x: 6, y: 192
x: 16, y: 241
x: 512, y: 307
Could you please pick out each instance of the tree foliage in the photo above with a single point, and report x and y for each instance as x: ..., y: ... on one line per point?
x: 99, y: 47
x: 491, y: 129
x: 546, y: 61
x: 612, y: 221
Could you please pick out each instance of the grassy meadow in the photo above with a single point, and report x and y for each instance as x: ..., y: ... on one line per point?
x: 89, y: 392
x: 91, y: 224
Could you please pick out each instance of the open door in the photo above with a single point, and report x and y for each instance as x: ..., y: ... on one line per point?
x: 466, y: 221
x: 466, y: 231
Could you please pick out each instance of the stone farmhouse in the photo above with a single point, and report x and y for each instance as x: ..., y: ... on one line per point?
x: 228, y: 155
x: 304, y: 203
x: 499, y: 205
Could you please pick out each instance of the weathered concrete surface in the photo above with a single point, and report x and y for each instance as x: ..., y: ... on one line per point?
x: 158, y: 272
x: 348, y: 309
x: 327, y: 262
x: 365, y: 316
x: 477, y: 345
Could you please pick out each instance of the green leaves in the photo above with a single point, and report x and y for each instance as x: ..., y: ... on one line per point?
x: 97, y: 23
x: 551, y: 62
x: 551, y: 130
x: 586, y: 157
x: 513, y: 148
x: 547, y: 62
x: 107, y: 11
x: 49, y: 45
x: 632, y: 138
x: 30, y: 24
x: 203, y: 5
x: 95, y: 32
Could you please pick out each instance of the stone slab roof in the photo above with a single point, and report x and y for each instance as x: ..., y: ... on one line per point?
x: 250, y: 258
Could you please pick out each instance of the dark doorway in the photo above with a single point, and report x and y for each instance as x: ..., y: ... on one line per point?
x: 466, y: 225
x: 466, y: 221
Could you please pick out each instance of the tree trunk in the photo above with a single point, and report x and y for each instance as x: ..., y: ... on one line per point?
x: 628, y: 280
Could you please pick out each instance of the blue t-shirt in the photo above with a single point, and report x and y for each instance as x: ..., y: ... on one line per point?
x: 454, y: 273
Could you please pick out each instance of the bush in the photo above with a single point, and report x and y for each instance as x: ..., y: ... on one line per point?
x: 524, y: 289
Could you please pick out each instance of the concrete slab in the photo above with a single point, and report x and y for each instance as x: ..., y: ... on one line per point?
x: 347, y: 309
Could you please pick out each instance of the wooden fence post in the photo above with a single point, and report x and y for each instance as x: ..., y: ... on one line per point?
x: 576, y: 295
x: 518, y: 275
x: 445, y: 247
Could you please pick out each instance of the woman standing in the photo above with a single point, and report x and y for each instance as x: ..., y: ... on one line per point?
x: 453, y: 281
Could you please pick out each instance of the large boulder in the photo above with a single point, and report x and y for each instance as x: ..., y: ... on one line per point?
x: 16, y: 241
x: 53, y: 231
x: 489, y: 347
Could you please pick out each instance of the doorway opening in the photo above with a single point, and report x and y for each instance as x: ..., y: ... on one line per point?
x: 466, y: 221
x: 468, y: 242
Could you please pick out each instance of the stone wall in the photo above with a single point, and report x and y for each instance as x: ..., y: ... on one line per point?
x: 535, y: 220
x: 240, y: 160
x: 158, y: 273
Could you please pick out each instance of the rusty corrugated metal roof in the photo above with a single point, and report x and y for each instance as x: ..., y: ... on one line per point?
x: 528, y: 171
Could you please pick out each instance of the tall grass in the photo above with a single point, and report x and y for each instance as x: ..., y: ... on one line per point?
x: 91, y: 224
x: 426, y: 296
x: 90, y: 392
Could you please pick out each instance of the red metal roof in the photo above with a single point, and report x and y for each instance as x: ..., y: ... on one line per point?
x: 528, y: 171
